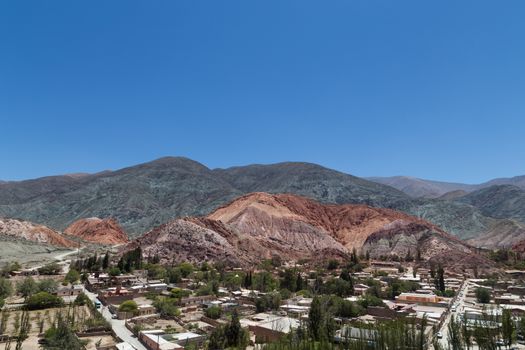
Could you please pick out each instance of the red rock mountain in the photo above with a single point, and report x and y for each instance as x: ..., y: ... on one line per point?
x: 26, y: 230
x: 259, y: 225
x: 102, y: 231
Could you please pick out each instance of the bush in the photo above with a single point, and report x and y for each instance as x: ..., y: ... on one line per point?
x: 332, y: 265
x: 214, y: 312
x: 6, y: 288
x: 166, y: 307
x: 43, y: 300
x: 50, y: 269
x: 483, y: 295
x: 72, y: 276
x: 81, y: 300
x: 114, y: 271
x: 47, y: 285
x: 27, y: 287
x: 128, y: 306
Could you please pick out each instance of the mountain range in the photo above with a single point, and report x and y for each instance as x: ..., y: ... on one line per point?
x: 418, y: 188
x: 149, y: 195
x: 259, y: 226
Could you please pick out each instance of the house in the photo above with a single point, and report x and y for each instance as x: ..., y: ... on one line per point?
x: 269, y: 327
x: 160, y: 340
x: 71, y: 290
x: 418, y: 298
x: 360, y: 289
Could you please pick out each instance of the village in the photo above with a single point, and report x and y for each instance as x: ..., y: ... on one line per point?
x: 134, y: 303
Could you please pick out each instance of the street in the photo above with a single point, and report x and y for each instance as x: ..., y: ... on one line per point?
x: 459, y: 305
x: 118, y: 326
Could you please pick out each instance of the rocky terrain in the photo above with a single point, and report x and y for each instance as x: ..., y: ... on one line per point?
x: 147, y: 195
x: 24, y: 230
x: 421, y: 188
x: 259, y: 225
x: 95, y: 230
x: 499, y: 201
x: 418, y: 188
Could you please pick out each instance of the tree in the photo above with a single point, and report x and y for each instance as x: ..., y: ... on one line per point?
x: 128, y: 306
x: 185, y: 269
x: 27, y: 287
x: 466, y: 334
x: 43, y: 300
x: 235, y: 335
x: 81, y: 300
x: 507, y: 328
x: 213, y: 312
x: 483, y: 295
x: 440, y: 279
x: 105, y: 261
x: 47, y: 285
x: 23, y: 334
x: 454, y: 335
x: 72, y: 276
x: 6, y: 288
x: 315, y: 318
x: 61, y: 336
x: 166, y: 307
x: 50, y: 269
x: 332, y: 264
x: 114, y: 271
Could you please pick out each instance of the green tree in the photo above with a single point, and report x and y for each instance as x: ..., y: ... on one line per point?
x: 105, y: 261
x: 81, y: 300
x: 61, y: 336
x: 27, y: 287
x: 235, y: 335
x: 454, y: 335
x: 128, y: 306
x: 6, y: 288
x: 47, y: 285
x: 166, y: 306
x: 50, y: 269
x: 507, y: 328
x: 72, y: 276
x: 114, y: 271
x: 43, y: 300
x: 315, y: 319
x: 213, y: 312
x: 483, y: 295
x: 185, y: 269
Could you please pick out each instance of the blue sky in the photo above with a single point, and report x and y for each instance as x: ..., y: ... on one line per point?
x: 429, y: 89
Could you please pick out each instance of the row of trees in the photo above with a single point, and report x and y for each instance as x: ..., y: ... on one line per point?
x: 487, y: 332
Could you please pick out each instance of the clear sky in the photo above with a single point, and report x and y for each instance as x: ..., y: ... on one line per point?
x: 434, y: 89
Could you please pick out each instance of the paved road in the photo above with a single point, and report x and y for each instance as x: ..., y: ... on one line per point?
x: 459, y: 303
x: 118, y: 325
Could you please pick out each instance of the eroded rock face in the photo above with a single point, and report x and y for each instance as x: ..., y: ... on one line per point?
x: 33, y: 232
x: 259, y: 225
x: 102, y: 231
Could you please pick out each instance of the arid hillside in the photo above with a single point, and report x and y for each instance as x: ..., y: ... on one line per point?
x: 259, y: 225
x: 102, y: 231
x: 28, y: 231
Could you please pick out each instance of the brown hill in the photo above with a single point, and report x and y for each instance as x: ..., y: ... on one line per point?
x: 102, y: 231
x: 260, y: 225
x: 26, y: 230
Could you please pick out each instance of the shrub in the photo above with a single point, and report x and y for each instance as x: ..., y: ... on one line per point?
x: 50, y: 269
x: 213, y: 312
x: 128, y: 306
x: 166, y: 307
x: 483, y: 295
x: 82, y: 299
x: 43, y: 300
